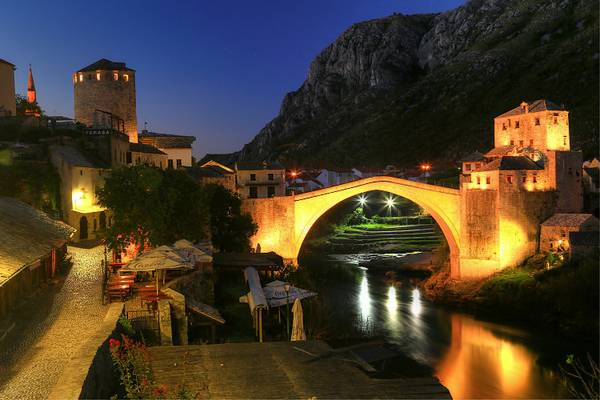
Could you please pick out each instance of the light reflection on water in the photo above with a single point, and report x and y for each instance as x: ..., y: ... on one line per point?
x: 473, y: 359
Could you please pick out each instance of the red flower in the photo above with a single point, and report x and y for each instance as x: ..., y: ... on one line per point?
x: 114, y: 344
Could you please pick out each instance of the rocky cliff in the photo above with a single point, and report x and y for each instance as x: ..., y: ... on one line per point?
x: 402, y: 89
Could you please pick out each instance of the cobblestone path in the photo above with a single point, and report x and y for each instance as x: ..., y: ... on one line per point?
x: 52, y: 325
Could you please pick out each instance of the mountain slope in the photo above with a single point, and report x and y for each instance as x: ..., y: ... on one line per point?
x: 403, y: 89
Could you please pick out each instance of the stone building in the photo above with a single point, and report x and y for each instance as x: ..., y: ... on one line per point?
x: 143, y: 154
x: 31, y: 246
x: 8, y: 105
x: 529, y: 175
x: 105, y: 97
x: 178, y: 148
x: 260, y: 179
x: 81, y: 177
x: 555, y: 231
x: 214, y: 172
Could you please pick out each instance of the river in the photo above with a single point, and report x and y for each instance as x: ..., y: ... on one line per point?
x: 472, y: 358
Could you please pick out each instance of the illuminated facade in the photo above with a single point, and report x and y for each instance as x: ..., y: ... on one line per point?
x: 106, y: 88
x: 530, y: 174
x: 259, y: 180
x: 178, y: 148
x: 80, y: 179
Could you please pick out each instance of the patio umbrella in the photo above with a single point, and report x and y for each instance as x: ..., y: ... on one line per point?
x: 187, y: 249
x: 277, y: 296
x: 158, y: 259
x: 298, y: 324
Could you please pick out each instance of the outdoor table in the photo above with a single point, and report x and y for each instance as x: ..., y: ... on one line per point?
x: 118, y: 290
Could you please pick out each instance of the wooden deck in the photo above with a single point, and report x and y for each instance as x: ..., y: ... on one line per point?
x: 279, y: 370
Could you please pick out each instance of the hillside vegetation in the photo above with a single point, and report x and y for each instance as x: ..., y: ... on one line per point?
x: 403, y: 89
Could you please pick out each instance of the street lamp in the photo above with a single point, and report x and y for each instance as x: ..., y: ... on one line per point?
x: 286, y: 287
x: 362, y: 200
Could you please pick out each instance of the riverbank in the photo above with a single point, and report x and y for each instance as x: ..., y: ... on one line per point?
x: 564, y: 299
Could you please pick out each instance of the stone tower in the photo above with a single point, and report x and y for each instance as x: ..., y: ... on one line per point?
x: 104, y: 95
x: 7, y: 89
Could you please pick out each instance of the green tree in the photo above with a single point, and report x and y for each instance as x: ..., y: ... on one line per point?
x: 230, y: 229
x: 23, y: 105
x: 154, y: 206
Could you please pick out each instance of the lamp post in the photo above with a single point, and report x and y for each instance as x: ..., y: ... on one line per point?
x: 286, y: 287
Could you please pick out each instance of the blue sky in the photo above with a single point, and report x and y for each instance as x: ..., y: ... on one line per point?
x: 217, y: 70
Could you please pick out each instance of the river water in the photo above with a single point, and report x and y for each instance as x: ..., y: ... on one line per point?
x: 472, y: 358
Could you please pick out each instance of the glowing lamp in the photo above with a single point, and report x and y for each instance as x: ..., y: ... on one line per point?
x: 425, y: 167
x: 362, y: 200
x: 390, y: 202
x: 294, y: 174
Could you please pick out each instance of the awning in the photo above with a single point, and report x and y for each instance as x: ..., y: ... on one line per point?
x: 277, y: 296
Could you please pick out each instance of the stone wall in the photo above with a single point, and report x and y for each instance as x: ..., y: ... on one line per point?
x: 7, y: 90
x: 90, y: 373
x: 114, y: 96
x: 275, y: 219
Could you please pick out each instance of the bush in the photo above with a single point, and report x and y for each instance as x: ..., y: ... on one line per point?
x: 358, y: 217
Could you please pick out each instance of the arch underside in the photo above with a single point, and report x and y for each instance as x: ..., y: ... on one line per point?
x: 442, y: 203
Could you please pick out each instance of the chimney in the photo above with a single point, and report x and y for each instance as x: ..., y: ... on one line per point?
x: 525, y: 107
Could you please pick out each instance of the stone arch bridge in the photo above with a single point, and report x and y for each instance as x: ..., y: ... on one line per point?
x: 485, y: 232
x: 284, y: 222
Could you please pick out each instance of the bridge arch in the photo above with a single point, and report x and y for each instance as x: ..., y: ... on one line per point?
x: 442, y: 203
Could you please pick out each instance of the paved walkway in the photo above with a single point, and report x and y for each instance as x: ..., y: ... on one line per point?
x: 55, y: 323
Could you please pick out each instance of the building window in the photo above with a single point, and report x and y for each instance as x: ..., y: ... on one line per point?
x: 178, y: 163
x: 126, y: 77
x: 521, y: 143
x: 503, y: 126
x: 512, y: 142
x: 488, y: 180
x: 537, y: 121
x: 270, y: 191
x: 95, y: 225
x: 467, y: 167
x: 170, y: 164
x: 479, y: 180
x: 509, y: 123
x: 80, y: 77
x: 524, y: 179
x: 252, y: 177
x: 115, y: 76
x: 253, y: 192
x: 128, y: 157
x: 564, y: 140
x: 534, y: 179
x: 270, y: 176
x: 555, y: 120
x: 509, y: 179
x: 97, y: 76
x: 81, y: 172
x: 517, y: 124
x: 530, y: 142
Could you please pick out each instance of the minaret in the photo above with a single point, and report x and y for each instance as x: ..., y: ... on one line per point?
x: 31, y: 95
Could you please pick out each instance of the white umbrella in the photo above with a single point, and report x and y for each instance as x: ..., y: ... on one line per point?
x: 160, y: 258
x: 298, y: 324
x: 187, y: 249
x: 277, y: 296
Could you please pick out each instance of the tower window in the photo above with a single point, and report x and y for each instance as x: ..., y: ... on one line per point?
x: 80, y: 77
x: 509, y: 179
x: 126, y: 77
x: 115, y: 76
x: 537, y: 121
x: 97, y: 76
x: 252, y: 177
x: 89, y: 77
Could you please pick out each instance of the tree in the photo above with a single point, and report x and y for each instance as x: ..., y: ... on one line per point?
x: 153, y: 206
x: 23, y: 106
x: 230, y: 229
